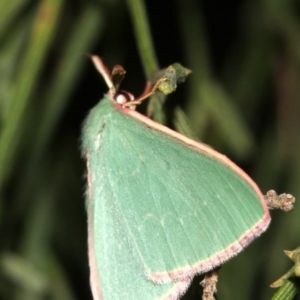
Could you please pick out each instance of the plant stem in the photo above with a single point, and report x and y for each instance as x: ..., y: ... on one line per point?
x: 287, y: 291
x: 143, y: 36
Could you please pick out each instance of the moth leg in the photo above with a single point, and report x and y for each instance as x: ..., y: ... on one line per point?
x: 147, y: 95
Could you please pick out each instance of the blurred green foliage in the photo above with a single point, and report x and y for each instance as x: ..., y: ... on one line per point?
x: 243, y: 98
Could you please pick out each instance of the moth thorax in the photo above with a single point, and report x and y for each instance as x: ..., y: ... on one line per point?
x: 123, y: 97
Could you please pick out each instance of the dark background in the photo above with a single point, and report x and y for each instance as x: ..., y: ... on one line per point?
x: 242, y: 98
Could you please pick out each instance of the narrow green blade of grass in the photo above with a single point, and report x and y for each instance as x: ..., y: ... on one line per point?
x: 69, y: 65
x: 9, y: 10
x: 41, y: 36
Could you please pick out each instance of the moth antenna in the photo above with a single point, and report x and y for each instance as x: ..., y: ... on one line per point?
x: 104, y: 72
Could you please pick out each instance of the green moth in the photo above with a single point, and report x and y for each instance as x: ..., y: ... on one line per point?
x: 161, y: 207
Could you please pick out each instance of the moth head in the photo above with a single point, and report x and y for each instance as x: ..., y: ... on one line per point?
x: 124, y: 97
